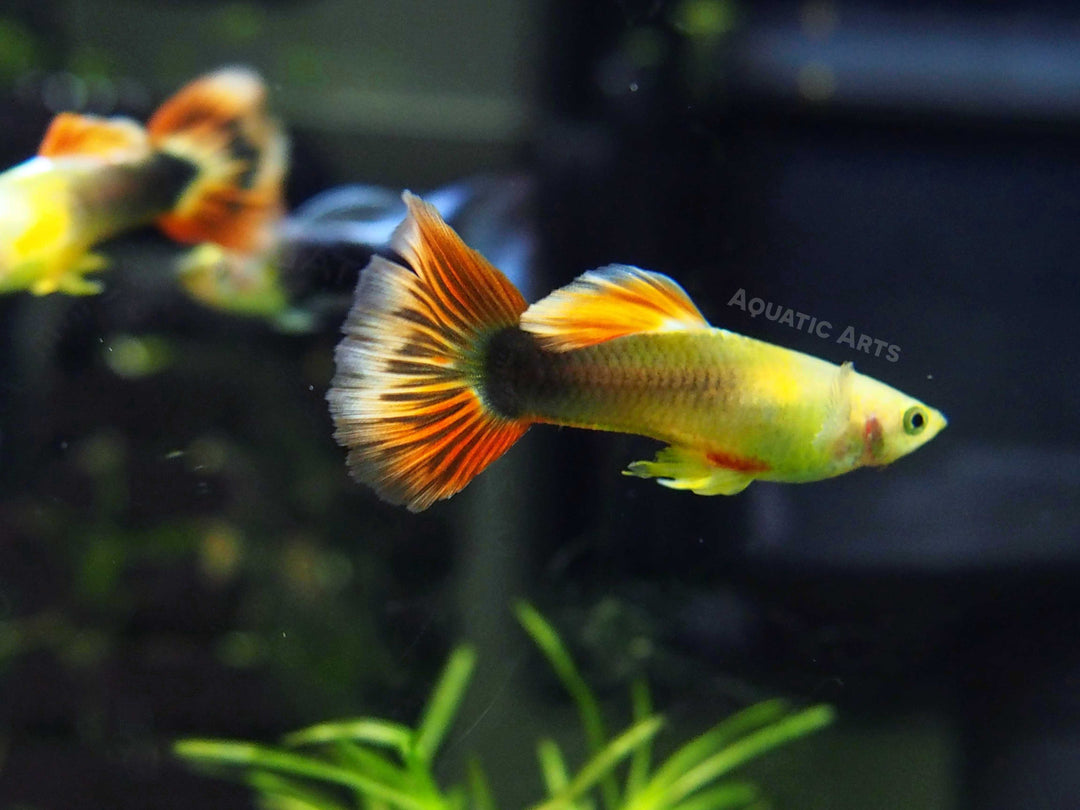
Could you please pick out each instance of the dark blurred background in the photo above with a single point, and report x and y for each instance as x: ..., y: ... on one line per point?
x: 181, y: 552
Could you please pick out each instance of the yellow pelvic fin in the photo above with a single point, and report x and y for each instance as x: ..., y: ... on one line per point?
x: 71, y: 281
x: 607, y: 303
x: 112, y: 139
x: 686, y: 468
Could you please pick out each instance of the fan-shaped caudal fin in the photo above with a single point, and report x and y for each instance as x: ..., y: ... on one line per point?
x: 607, y: 303
x: 219, y: 123
x: 406, y: 398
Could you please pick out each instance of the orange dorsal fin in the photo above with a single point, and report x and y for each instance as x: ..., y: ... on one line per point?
x: 219, y: 123
x: 607, y: 303
x: 406, y: 399
x: 112, y: 139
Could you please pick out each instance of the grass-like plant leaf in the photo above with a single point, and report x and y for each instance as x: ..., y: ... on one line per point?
x: 443, y: 704
x: 479, y: 787
x: 744, y: 749
x: 264, y: 758
x: 601, y: 766
x: 382, y: 733
x: 552, y: 766
x: 547, y: 639
x: 288, y: 794
x: 641, y: 761
x: 728, y: 795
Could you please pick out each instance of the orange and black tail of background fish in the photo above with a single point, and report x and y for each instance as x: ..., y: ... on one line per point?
x: 219, y: 124
x: 408, y: 398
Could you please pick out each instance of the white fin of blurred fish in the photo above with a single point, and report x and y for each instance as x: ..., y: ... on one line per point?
x: 493, y: 213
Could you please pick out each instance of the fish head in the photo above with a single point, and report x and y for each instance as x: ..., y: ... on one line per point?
x: 889, y: 424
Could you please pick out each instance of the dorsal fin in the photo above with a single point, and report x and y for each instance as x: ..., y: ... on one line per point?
x: 113, y: 139
x: 607, y: 303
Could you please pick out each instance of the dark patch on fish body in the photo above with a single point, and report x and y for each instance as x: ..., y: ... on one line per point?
x: 513, y: 364
x: 243, y: 150
x: 167, y: 176
x: 130, y: 194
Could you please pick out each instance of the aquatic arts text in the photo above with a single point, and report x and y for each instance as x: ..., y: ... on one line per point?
x: 858, y: 341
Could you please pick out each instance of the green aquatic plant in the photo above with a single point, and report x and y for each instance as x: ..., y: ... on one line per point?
x: 382, y: 765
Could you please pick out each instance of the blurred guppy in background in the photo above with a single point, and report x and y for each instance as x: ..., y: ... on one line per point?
x: 209, y: 166
x: 356, y: 222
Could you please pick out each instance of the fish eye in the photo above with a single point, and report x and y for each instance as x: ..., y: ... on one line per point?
x: 914, y: 420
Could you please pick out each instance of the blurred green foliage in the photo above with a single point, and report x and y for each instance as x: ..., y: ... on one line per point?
x: 156, y: 531
x: 374, y: 763
x: 18, y: 49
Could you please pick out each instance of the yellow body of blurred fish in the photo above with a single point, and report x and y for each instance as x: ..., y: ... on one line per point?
x: 236, y: 282
x: 443, y: 366
x: 208, y: 167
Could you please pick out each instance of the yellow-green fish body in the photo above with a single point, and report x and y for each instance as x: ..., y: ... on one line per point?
x: 54, y: 210
x: 719, y: 397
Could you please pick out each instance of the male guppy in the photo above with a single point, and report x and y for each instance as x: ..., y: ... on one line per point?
x: 208, y: 167
x: 444, y: 366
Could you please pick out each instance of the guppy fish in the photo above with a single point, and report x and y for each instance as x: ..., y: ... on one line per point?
x: 208, y: 167
x: 444, y: 366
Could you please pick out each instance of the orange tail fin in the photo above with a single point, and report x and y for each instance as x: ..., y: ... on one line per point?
x: 219, y: 123
x: 406, y: 400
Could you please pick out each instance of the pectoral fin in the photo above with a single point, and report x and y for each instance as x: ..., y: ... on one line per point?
x: 839, y: 410
x: 685, y: 468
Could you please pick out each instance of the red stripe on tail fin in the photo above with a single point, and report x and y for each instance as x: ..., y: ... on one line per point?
x: 611, y: 302
x: 405, y: 399
x: 219, y: 123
